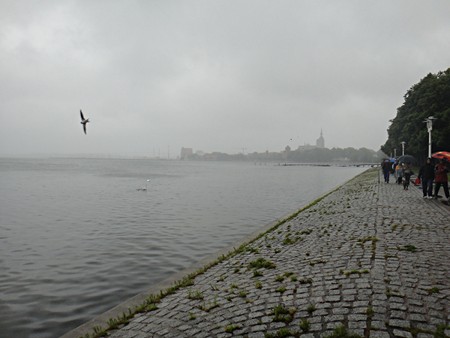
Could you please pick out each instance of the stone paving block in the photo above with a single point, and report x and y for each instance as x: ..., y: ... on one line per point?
x: 307, y: 335
x: 417, y: 317
x: 224, y: 335
x: 320, y: 312
x: 313, y: 320
x: 276, y: 325
x: 399, y: 323
x: 316, y: 327
x: 256, y: 335
x: 349, y: 298
x: 258, y: 328
x: 340, y: 311
x: 397, y: 306
x: 426, y: 335
x: 361, y: 303
x: 401, y: 333
x: 331, y: 299
x: 436, y: 320
x: 379, y: 334
x: 378, y: 325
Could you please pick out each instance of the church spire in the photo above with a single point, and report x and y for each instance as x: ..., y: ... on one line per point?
x: 320, y: 143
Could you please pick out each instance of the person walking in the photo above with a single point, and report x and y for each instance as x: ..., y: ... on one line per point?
x: 440, y: 178
x: 386, y: 166
x: 426, y: 175
x: 407, y: 172
x: 399, y: 172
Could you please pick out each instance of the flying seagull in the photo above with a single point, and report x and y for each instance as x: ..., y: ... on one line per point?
x: 83, y: 121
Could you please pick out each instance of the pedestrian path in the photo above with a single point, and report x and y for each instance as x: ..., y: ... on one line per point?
x: 369, y: 259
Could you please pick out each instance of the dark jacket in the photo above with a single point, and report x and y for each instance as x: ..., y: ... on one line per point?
x: 386, y: 165
x: 426, y: 172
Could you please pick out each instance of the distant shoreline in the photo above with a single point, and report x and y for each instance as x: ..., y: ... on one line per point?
x: 131, y: 157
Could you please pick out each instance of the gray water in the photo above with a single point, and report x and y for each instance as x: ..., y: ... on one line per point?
x: 77, y: 238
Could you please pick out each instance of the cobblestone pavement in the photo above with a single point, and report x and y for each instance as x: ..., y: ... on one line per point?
x: 370, y: 257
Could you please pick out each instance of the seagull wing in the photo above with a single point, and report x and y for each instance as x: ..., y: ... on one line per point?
x: 81, y: 114
x: 84, y: 127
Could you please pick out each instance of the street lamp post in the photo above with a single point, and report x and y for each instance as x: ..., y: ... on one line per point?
x: 429, y: 122
x: 403, y: 147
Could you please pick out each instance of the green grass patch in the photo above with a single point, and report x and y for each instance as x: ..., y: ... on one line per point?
x: 209, y: 306
x: 433, y: 290
x: 231, y: 328
x: 281, y: 289
x: 282, y: 314
x: 242, y: 294
x: 252, y: 250
x: 408, y: 247
x: 289, y: 240
x: 195, y: 295
x: 306, y: 281
x: 305, y: 326
x: 279, y: 278
x: 261, y: 263
x: 257, y: 273
x: 440, y: 331
x: 311, y: 308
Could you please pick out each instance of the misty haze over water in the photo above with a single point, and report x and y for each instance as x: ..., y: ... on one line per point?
x: 77, y: 237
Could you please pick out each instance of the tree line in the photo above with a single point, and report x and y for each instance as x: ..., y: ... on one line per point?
x: 429, y: 97
x: 315, y: 155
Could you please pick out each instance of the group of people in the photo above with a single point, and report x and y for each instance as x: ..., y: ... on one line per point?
x: 429, y: 174
x: 402, y: 172
x: 437, y: 174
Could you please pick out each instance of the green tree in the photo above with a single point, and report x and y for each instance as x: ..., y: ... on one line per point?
x: 429, y: 97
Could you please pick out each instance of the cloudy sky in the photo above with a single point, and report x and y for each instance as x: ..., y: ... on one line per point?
x: 225, y: 75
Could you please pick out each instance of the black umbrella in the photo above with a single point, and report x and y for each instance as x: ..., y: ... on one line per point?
x: 406, y: 159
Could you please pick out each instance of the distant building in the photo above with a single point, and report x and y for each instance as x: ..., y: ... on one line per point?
x: 320, y: 143
x: 287, y: 151
x: 186, y: 153
x: 305, y: 147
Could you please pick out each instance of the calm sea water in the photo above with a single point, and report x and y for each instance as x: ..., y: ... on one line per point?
x: 77, y: 238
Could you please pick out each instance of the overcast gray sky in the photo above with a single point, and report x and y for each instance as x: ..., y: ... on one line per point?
x: 213, y: 75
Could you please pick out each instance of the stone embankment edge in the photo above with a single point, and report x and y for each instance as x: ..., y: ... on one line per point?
x: 87, y: 329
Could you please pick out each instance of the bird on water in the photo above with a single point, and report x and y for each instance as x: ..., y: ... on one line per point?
x: 83, y: 121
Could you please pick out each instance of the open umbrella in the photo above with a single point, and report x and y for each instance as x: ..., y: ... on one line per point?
x: 442, y: 155
x: 406, y: 159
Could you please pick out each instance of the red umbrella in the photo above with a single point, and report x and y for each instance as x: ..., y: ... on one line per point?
x: 441, y: 155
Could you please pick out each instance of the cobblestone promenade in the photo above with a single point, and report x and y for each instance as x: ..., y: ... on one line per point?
x: 370, y: 259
